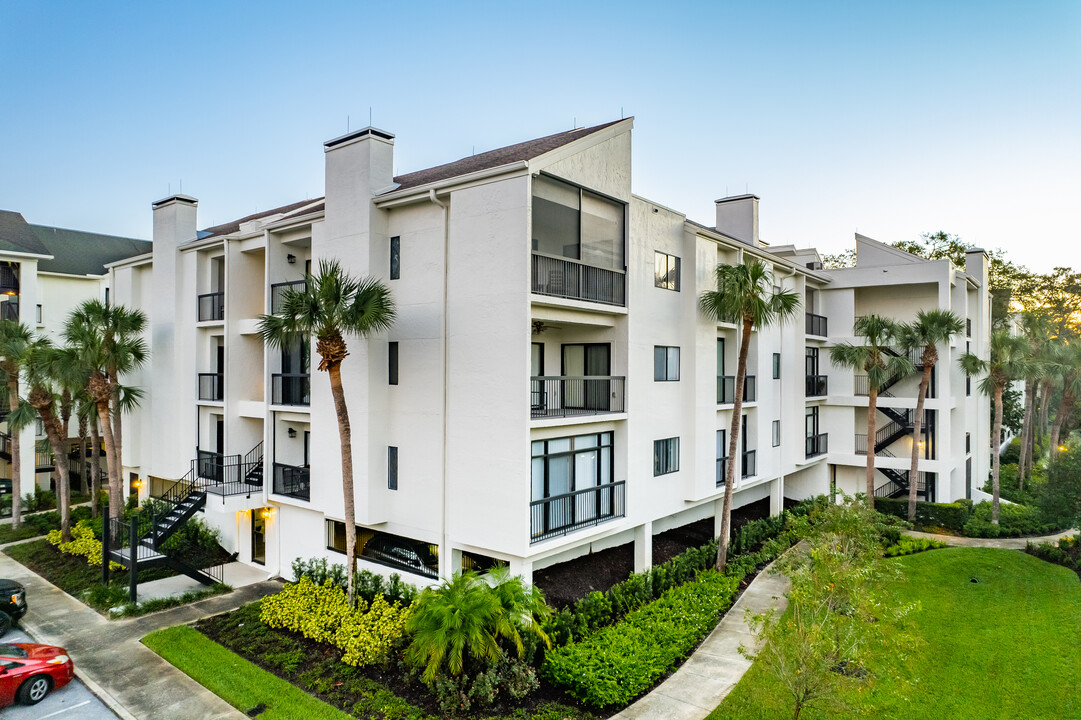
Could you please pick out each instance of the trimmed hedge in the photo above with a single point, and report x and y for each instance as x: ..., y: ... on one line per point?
x: 910, y: 546
x: 951, y: 516
x: 1067, y: 552
x: 621, y: 661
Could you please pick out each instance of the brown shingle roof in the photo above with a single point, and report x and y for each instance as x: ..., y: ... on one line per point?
x: 234, y: 226
x: 494, y: 158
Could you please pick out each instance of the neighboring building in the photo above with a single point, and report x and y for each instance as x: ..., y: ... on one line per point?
x: 45, y: 272
x: 549, y: 388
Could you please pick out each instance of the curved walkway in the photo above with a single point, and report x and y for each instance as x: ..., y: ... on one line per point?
x: 710, y: 673
x: 1010, y: 543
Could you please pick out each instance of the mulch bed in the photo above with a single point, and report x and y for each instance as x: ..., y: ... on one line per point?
x: 567, y: 582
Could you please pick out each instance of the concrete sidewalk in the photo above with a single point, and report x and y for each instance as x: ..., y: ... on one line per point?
x: 1012, y: 543
x: 132, y: 679
x: 703, y: 681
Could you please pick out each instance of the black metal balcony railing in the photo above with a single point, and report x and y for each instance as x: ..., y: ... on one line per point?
x: 817, y: 385
x: 292, y: 481
x: 9, y: 311
x: 726, y: 389
x: 278, y: 290
x: 817, y: 445
x: 816, y: 325
x: 561, y: 396
x: 212, y: 307
x: 749, y: 466
x: 211, y: 386
x: 561, y: 514
x: 290, y: 389
x: 562, y: 277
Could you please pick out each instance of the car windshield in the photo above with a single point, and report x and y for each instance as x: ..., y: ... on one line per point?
x: 12, y: 651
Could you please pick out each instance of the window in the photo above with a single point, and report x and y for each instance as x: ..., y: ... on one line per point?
x: 666, y: 271
x: 392, y: 468
x: 968, y: 442
x: 39, y: 320
x: 776, y: 366
x: 572, y: 222
x: 395, y: 258
x: 665, y: 363
x: 812, y: 421
x: 968, y: 327
x: 968, y: 385
x: 392, y: 362
x: 722, y: 456
x: 776, y: 433
x: 665, y: 456
x: 572, y: 484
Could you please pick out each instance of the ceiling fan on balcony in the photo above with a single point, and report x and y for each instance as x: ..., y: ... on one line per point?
x: 540, y: 326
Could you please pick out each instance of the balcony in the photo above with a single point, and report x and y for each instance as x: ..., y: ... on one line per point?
x: 278, y: 290
x: 292, y: 481
x: 562, y: 514
x: 290, y: 389
x: 9, y: 310
x: 211, y: 387
x: 212, y: 307
x: 816, y: 325
x: 817, y: 445
x: 9, y: 280
x: 817, y: 386
x: 560, y: 396
x: 565, y: 278
x: 726, y: 389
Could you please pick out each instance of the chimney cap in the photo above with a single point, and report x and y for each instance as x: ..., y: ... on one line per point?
x: 733, y: 198
x: 185, y: 199
x: 357, y: 135
x: 975, y: 250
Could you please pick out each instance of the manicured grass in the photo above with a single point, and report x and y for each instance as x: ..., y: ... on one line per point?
x: 1006, y: 647
x: 237, y: 681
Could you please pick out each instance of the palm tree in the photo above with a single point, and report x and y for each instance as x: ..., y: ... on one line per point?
x: 1008, y: 362
x: 333, y: 304
x: 108, y: 340
x: 1068, y: 367
x: 930, y: 329
x: 14, y: 340
x: 881, y: 367
x: 745, y: 294
x: 1037, y: 331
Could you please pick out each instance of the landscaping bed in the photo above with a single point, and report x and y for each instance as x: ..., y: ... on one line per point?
x: 40, y: 524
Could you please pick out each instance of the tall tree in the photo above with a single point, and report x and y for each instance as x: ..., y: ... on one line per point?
x: 332, y: 305
x: 1007, y: 363
x: 15, y: 338
x: 1037, y: 331
x: 1067, y: 366
x: 880, y: 366
x: 744, y: 294
x: 930, y: 329
x: 108, y: 339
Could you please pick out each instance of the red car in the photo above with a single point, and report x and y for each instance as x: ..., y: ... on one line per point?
x: 28, y: 672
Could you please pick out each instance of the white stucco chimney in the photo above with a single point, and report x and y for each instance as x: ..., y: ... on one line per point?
x: 174, y: 220
x: 737, y: 217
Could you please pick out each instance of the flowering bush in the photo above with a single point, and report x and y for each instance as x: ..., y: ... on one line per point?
x: 83, y: 543
x: 322, y: 613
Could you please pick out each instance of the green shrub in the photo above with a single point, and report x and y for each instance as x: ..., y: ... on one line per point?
x: 911, y: 545
x: 366, y: 583
x: 39, y: 500
x: 1060, y: 497
x: 322, y: 613
x: 459, y: 694
x: 1066, y: 552
x: 1014, y: 521
x: 951, y: 516
x: 619, y: 662
x: 83, y: 543
x: 1012, y: 454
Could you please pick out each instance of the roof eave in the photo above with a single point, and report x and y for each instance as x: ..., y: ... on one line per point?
x: 402, y: 197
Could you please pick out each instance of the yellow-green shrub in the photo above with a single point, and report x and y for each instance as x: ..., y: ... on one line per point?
x: 322, y: 613
x: 83, y: 543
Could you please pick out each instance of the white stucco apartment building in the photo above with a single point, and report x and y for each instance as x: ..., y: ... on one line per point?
x: 549, y: 387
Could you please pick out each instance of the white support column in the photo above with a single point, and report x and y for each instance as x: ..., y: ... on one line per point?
x: 449, y: 563
x: 28, y: 458
x: 523, y: 568
x: 643, y: 547
x: 776, y: 496
x: 718, y: 515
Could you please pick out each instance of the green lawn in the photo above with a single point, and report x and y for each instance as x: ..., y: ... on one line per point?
x: 1006, y: 647
x: 237, y: 681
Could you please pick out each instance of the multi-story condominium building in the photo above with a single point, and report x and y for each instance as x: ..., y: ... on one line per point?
x: 549, y: 387
x: 45, y: 272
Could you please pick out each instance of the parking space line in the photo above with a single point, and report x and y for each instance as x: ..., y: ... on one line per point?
x: 61, y: 712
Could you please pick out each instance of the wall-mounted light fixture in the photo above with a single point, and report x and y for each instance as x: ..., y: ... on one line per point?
x: 291, y: 259
x: 292, y: 432
x: 267, y: 512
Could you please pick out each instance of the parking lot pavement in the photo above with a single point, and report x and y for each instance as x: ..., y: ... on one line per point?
x: 71, y: 702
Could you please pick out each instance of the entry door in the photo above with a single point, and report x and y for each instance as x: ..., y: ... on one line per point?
x: 536, y: 371
x: 258, y: 537
x: 219, y: 435
x: 587, y: 361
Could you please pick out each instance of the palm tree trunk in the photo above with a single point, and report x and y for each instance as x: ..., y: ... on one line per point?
x: 996, y: 433
x: 1026, y: 432
x: 917, y: 426
x: 118, y: 427
x: 1045, y: 401
x: 115, y: 503
x: 1064, y: 411
x: 63, y: 485
x: 84, y: 481
x: 872, y: 412
x: 16, y: 460
x: 346, y: 438
x: 95, y: 467
x: 733, y: 445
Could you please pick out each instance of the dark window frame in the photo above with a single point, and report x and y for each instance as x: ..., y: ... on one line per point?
x: 392, y: 362
x: 776, y: 366
x: 776, y: 433
x: 665, y: 281
x: 662, y: 453
x: 663, y: 373
x: 392, y: 467
x: 395, y: 257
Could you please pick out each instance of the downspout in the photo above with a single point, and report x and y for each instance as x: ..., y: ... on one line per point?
x: 780, y: 390
x: 443, y: 474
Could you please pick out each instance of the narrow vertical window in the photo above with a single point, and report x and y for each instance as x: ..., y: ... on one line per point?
x: 776, y: 433
x: 39, y: 315
x: 392, y: 468
x: 395, y: 258
x: 392, y: 362
x: 776, y: 366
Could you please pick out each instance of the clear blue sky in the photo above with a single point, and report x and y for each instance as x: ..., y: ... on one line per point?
x: 887, y: 118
